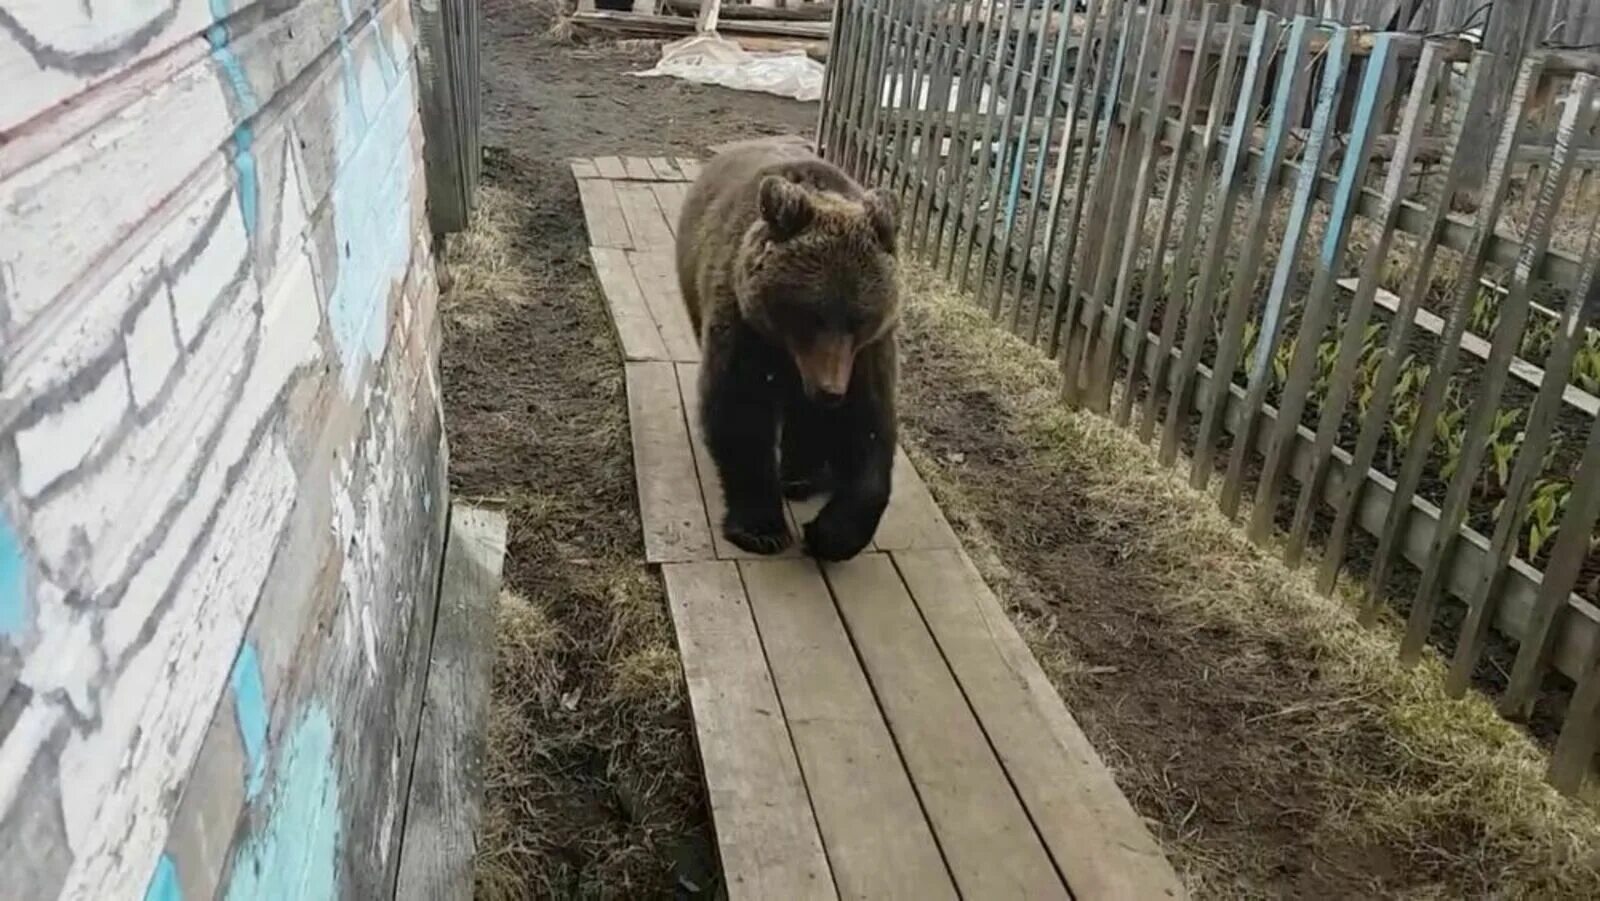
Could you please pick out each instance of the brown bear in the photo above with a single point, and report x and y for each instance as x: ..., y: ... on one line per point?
x: 788, y: 269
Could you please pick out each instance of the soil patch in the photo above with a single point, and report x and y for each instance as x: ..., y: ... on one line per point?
x: 1278, y: 749
x: 593, y: 783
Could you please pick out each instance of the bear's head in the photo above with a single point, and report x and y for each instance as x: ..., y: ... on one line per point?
x: 817, y: 277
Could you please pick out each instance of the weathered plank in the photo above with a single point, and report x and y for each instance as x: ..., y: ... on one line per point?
x: 1375, y: 424
x: 879, y: 843
x: 689, y: 167
x: 610, y: 167
x: 1052, y: 106
x: 630, y: 313
x: 1177, y: 286
x: 1102, y: 372
x: 1004, y: 165
x: 1228, y: 190
x: 645, y: 222
x: 662, y: 168
x: 656, y: 273
x: 638, y: 168
x: 1524, y: 371
x: 1342, y: 383
x: 710, y: 483
x: 1097, y: 840
x: 1110, y: 214
x: 670, y: 197
x: 913, y: 520
x: 437, y: 848
x: 988, y: 841
x: 582, y: 169
x: 1293, y: 79
x: 1063, y: 165
x: 1538, y: 434
x: 1575, y: 122
x: 602, y: 212
x: 670, y: 507
x: 766, y: 832
x: 1314, y: 155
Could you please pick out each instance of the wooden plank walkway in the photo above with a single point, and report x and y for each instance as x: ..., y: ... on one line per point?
x: 870, y: 729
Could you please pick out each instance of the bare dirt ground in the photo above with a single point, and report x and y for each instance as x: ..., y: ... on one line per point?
x: 1274, y: 747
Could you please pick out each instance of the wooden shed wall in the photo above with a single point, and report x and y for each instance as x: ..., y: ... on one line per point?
x: 222, y: 465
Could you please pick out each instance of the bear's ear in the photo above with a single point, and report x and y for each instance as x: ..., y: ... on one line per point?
x: 785, y: 206
x: 881, y: 212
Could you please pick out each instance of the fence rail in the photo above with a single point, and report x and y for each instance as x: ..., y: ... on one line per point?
x: 1257, y: 238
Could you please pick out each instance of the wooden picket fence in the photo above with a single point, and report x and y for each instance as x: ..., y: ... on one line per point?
x: 1239, y: 234
x: 447, y: 63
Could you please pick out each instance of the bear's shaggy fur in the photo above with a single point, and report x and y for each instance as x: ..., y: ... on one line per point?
x: 787, y: 266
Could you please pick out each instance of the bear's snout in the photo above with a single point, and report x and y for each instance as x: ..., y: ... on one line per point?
x: 825, y: 368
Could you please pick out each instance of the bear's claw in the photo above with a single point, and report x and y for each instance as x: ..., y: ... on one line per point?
x: 762, y: 538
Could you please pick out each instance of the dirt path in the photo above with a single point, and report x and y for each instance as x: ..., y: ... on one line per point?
x: 1276, y: 751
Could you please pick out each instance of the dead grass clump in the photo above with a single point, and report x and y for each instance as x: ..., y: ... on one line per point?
x: 592, y: 786
x: 1382, y: 783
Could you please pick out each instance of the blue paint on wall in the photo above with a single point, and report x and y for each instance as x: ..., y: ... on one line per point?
x: 164, y: 882
x: 372, y: 209
x: 250, y: 709
x: 243, y: 141
x: 13, y: 583
x: 294, y: 852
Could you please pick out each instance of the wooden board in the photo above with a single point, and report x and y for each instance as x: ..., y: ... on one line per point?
x: 1096, y: 838
x: 710, y: 485
x: 442, y: 812
x: 630, y: 314
x: 657, y: 277
x: 610, y: 167
x: 766, y: 832
x: 689, y: 167
x: 582, y: 169
x: 602, y: 212
x: 670, y: 197
x: 879, y: 844
x: 670, y: 508
x: 913, y: 520
x: 645, y: 222
x: 989, y: 845
x: 638, y: 168
x: 664, y: 170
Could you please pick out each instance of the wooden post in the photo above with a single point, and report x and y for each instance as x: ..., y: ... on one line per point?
x: 1511, y: 32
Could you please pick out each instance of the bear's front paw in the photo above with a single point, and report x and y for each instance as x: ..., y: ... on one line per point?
x: 757, y: 534
x: 837, y: 535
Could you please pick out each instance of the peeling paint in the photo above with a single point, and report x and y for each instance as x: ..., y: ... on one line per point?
x: 372, y: 212
x: 164, y: 882
x: 13, y: 583
x: 250, y: 710
x: 294, y: 853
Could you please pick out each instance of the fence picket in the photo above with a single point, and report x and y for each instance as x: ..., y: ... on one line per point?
x: 974, y: 204
x: 1293, y: 79
x: 1178, y: 282
x: 1004, y: 165
x: 1575, y: 320
x: 961, y: 149
x: 1069, y: 138
x: 1229, y: 192
x: 1052, y: 100
x: 1433, y: 392
x: 1148, y: 117
x: 1576, y: 120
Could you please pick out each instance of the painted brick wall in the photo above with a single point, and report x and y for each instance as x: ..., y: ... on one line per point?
x: 222, y: 486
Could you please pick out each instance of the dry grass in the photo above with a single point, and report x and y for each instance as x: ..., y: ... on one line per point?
x: 592, y: 784
x: 1450, y: 793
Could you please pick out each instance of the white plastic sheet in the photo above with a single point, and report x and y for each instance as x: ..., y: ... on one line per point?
x: 712, y: 59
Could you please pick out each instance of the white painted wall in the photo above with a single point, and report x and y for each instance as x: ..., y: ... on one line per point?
x: 221, y: 455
